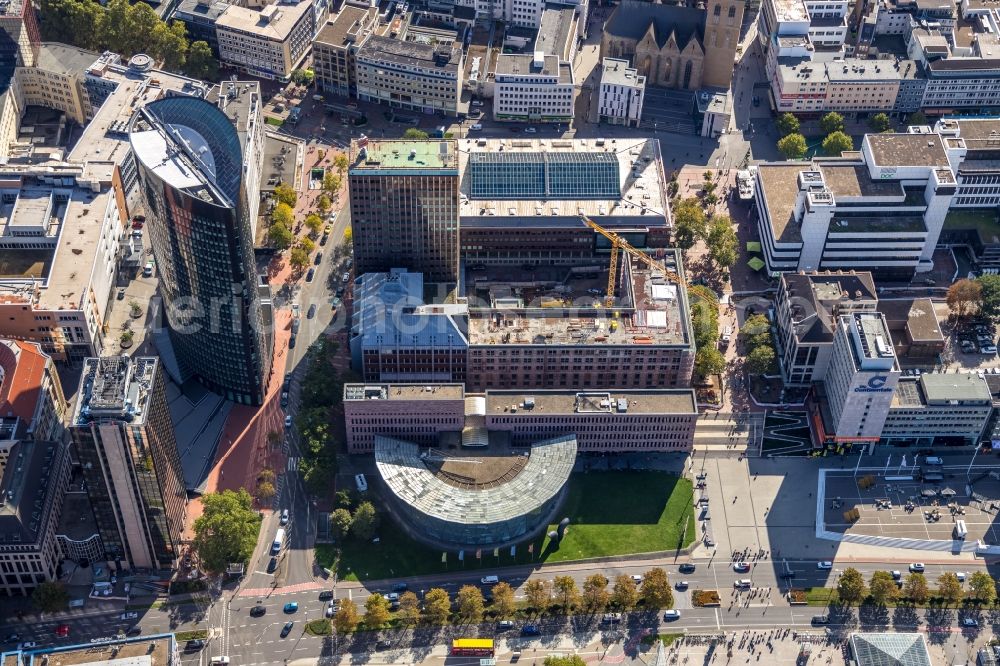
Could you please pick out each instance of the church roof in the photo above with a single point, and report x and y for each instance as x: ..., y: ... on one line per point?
x: 632, y: 18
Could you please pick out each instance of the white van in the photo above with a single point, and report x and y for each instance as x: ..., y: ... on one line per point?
x: 361, y: 483
x: 489, y: 580
x: 220, y: 660
x: 960, y: 531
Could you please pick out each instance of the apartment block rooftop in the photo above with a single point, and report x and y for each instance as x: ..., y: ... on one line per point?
x: 667, y: 401
x: 561, y: 179
x: 872, y: 343
x: 940, y: 388
x: 64, y: 59
x: 115, y: 388
x: 564, y: 305
x: 345, y: 27
x: 368, y: 155
x: 615, y: 71
x: 412, y: 55
x: 557, y: 32
x: 274, y: 22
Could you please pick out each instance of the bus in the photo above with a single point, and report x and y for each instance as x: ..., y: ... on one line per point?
x: 279, y: 541
x: 472, y: 647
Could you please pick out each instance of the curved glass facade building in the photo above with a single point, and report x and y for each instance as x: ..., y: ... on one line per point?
x: 199, y: 173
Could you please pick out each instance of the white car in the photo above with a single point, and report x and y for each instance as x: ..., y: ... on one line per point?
x: 637, y: 579
x: 476, y: 127
x: 331, y: 609
x: 826, y: 564
x: 530, y: 130
x: 671, y: 615
x: 741, y: 567
x: 27, y: 645
x: 917, y: 567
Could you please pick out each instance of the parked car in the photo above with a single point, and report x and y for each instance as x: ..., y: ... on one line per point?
x: 272, y: 565
x: 970, y: 622
x: 611, y: 618
x: 310, y: 274
x: 319, y: 258
x: 284, y: 517
x: 391, y: 596
x: 311, y: 312
x: 383, y: 644
x: 288, y: 419
x: 331, y: 609
x: 505, y: 625
x: 530, y: 630
x: 636, y: 578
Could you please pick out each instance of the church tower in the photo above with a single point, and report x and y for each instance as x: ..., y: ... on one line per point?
x: 722, y: 36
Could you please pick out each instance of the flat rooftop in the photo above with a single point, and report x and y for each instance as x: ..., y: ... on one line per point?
x: 639, y: 199
x: 379, y: 48
x: 552, y: 305
x: 343, y: 28
x: 557, y: 32
x: 853, y: 181
x: 360, y: 392
x: 907, y: 149
x: 679, y: 401
x: 523, y: 64
x: 155, y: 650
x: 115, y: 387
x: 274, y: 22
x: 617, y: 72
x: 389, y: 155
x: 64, y: 59
x: 824, y: 292
x: 780, y: 187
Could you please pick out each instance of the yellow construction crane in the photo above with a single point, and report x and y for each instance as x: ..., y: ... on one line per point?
x: 619, y: 243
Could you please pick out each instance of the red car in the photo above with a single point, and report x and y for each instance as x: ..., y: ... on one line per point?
x: 62, y: 631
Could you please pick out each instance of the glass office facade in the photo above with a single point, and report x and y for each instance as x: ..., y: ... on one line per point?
x: 202, y: 238
x: 538, y: 175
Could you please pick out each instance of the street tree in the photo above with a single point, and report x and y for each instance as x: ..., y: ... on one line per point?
x: 341, y: 163
x: 595, y: 593
x: 376, y: 611
x: 851, y: 586
x: 762, y: 361
x: 566, y: 592
x: 281, y: 237
x: 690, y: 223
x: 949, y: 587
x: 705, y: 323
x: 755, y: 326
x: 409, y: 609
x: 298, y: 258
x: 314, y: 223
x: 831, y: 122
x: 989, y: 307
x: 50, y: 596
x: 625, y: 594
x: 882, y: 588
x: 365, y: 521
x: 307, y: 244
x: 788, y: 124
x: 723, y: 244
x: 323, y: 205
x: 340, y: 523
x: 471, y: 605
x: 793, y: 146
x: 437, y: 606
x: 538, y: 594
x: 265, y: 491
x: 880, y: 122
x: 283, y: 214
x: 331, y: 183
x: 983, y: 588
x: 286, y: 194
x: 656, y: 590
x: 346, y: 619
x: 915, y: 588
x: 836, y: 143
x: 201, y: 64
x: 709, y: 361
x: 503, y: 600
x: 964, y: 298
x: 414, y: 134
x: 226, y: 531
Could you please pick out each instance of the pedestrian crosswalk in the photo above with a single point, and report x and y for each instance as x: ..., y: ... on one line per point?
x: 293, y: 463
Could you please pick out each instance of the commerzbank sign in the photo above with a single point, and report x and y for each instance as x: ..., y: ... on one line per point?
x: 875, y: 385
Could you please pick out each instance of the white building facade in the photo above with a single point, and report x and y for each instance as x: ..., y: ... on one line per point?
x: 533, y: 88
x: 621, y: 93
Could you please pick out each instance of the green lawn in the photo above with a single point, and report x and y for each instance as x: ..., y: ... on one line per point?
x: 611, y: 513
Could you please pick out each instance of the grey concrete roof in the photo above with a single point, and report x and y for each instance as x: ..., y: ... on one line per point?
x: 941, y: 387
x: 615, y: 71
x: 907, y: 149
x: 410, y: 54
x: 408, y: 478
x: 64, y: 59
x: 556, y: 32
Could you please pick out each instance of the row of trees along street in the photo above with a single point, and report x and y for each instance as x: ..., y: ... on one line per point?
x: 883, y: 589
x: 559, y: 596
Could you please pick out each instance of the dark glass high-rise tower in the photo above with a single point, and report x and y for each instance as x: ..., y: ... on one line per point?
x: 199, y: 174
x: 124, y: 441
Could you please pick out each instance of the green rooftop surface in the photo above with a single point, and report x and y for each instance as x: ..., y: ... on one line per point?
x: 983, y: 221
x: 434, y: 154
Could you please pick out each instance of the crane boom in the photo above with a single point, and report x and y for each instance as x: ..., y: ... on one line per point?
x: 620, y: 244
